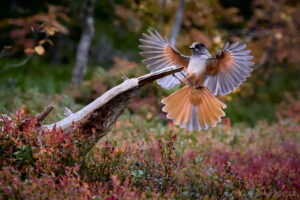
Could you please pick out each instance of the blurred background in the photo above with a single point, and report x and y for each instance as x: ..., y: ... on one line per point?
x: 70, y: 52
x: 67, y: 53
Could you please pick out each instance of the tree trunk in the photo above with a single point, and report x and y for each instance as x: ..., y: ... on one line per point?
x: 83, y: 47
x: 162, y: 15
x: 177, y: 22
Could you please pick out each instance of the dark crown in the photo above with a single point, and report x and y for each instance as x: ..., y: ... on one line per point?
x: 200, y: 45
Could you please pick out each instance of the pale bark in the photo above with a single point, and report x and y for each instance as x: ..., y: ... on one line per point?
x: 177, y: 23
x: 84, y: 43
x: 97, y: 118
x: 162, y: 14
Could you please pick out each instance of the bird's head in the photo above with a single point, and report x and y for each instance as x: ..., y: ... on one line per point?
x: 199, y: 48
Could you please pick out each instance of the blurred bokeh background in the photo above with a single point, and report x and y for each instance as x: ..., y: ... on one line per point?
x: 67, y: 53
x: 39, y: 42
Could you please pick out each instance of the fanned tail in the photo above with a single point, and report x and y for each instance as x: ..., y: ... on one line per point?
x: 194, y: 108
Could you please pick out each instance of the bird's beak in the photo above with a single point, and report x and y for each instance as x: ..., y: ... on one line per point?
x: 192, y: 46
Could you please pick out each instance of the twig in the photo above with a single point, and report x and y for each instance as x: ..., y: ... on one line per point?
x: 40, y: 118
x: 17, y: 64
x: 67, y: 112
x: 124, y: 77
x: 44, y: 114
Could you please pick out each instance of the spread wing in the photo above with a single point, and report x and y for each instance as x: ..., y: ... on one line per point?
x: 159, y: 54
x: 229, y: 69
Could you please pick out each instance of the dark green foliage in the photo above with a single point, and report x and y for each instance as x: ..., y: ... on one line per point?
x: 24, y: 155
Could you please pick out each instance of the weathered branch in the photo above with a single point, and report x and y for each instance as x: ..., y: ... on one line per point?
x: 97, y: 118
x: 44, y: 114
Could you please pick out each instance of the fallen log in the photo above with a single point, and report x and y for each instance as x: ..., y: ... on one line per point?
x: 98, y: 118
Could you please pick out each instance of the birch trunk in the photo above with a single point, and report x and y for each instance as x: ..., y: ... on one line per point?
x: 84, y: 43
x: 177, y: 23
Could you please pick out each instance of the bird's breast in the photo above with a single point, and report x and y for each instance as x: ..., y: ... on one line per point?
x: 197, y: 66
x: 196, y: 71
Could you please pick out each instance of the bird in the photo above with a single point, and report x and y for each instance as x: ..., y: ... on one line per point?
x: 195, y: 105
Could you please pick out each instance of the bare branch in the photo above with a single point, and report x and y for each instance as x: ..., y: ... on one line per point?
x: 45, y: 112
x: 23, y: 62
x: 97, y: 118
x: 124, y: 77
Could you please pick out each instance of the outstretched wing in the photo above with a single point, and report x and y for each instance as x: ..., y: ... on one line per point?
x: 159, y: 54
x: 229, y: 69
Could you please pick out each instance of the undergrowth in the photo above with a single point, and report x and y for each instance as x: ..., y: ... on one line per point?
x: 154, y: 162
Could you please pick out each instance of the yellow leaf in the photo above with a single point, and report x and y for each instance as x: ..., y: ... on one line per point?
x: 50, y: 31
x: 42, y: 42
x: 39, y: 50
x: 149, y: 116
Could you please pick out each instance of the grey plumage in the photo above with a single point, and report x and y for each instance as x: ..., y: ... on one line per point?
x: 170, y: 81
x: 193, y: 124
x: 153, y: 50
x: 188, y: 107
x: 227, y: 81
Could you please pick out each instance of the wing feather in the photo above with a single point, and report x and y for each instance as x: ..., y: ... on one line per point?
x: 159, y: 54
x: 229, y: 69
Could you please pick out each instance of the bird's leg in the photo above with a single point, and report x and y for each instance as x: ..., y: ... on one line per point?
x: 192, y: 80
x: 182, y: 74
x: 177, y: 78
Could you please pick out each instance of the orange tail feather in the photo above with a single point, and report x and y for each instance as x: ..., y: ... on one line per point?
x: 194, y: 108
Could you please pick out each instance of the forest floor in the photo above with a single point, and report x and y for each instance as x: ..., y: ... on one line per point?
x: 145, y: 155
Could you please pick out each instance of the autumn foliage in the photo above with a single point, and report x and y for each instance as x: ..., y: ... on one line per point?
x: 25, y: 30
x: 262, y: 162
x: 253, y: 154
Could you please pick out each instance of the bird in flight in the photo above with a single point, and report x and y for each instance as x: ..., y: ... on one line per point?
x: 195, y: 106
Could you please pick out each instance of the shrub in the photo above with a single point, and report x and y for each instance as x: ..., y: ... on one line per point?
x: 226, y: 163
